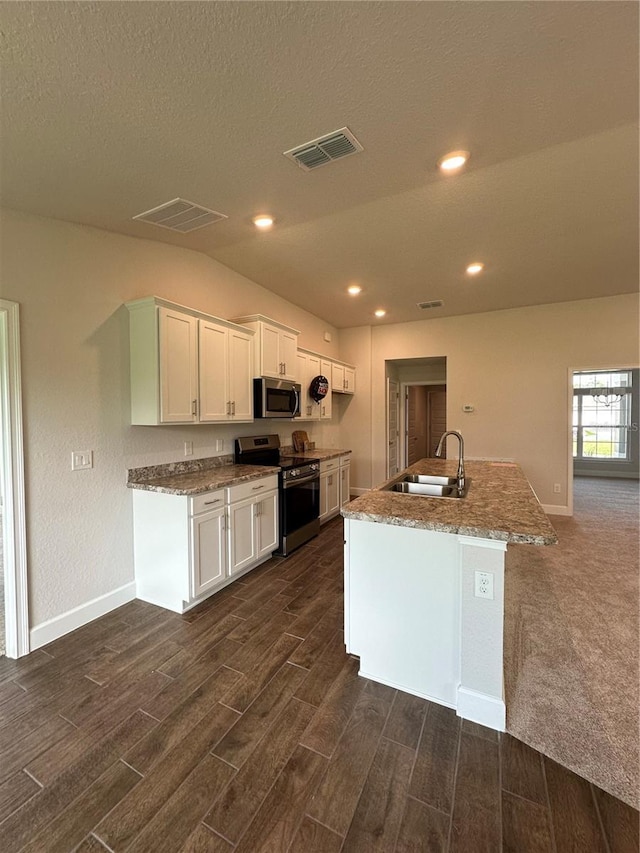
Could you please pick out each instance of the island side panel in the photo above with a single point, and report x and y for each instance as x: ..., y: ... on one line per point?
x: 402, y: 588
x: 481, y: 691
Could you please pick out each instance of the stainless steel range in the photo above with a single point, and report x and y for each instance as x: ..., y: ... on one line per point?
x: 298, y: 487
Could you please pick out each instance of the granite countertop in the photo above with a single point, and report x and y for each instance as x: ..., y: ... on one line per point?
x: 318, y: 453
x: 500, y: 504
x: 195, y: 477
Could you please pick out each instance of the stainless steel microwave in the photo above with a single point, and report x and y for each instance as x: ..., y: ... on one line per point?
x: 275, y: 398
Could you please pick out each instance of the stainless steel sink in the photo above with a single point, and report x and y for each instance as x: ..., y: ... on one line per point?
x: 430, y: 479
x: 432, y: 487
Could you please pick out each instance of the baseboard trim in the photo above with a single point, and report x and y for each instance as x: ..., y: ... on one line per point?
x: 51, y: 630
x: 556, y: 509
x: 358, y: 492
x: 481, y: 708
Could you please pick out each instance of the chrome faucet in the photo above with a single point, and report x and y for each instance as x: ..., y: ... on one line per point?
x: 460, y: 474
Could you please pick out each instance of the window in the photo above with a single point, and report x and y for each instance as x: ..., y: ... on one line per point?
x: 602, y: 414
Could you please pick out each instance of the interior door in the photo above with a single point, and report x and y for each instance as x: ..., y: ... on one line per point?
x: 393, y: 417
x: 437, y: 418
x: 412, y: 428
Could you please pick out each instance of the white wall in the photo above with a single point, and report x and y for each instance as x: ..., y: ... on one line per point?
x: 71, y: 283
x: 513, y: 367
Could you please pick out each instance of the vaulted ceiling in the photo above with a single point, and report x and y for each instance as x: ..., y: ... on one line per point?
x: 109, y: 109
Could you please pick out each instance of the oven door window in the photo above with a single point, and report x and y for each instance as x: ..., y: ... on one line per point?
x: 301, y: 504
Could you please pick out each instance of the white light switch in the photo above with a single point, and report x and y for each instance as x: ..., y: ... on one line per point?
x: 188, y: 448
x: 81, y: 459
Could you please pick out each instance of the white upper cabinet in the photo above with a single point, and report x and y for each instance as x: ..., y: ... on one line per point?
x: 187, y: 367
x: 275, y: 350
x: 308, y: 368
x: 178, y: 366
x: 214, y: 372
x: 343, y: 378
x: 326, y: 407
x: 241, y: 374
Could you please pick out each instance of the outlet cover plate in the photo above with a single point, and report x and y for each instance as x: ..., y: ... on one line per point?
x: 484, y: 585
x: 81, y: 459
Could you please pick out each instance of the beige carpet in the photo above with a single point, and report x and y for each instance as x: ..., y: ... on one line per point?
x: 572, y: 641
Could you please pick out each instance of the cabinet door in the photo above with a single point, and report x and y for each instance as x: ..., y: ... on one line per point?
x: 267, y: 523
x: 178, y: 366
x: 333, y: 492
x: 209, y: 558
x: 303, y: 379
x: 337, y: 377
x: 243, y: 545
x: 214, y: 372
x: 288, y: 350
x: 345, y: 471
x: 270, y: 358
x: 324, y: 512
x: 326, y: 405
x: 313, y: 370
x: 349, y: 380
x: 241, y: 375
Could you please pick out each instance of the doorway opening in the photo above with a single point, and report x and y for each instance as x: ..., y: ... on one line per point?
x: 605, y: 429
x: 416, y: 409
x: 14, y: 551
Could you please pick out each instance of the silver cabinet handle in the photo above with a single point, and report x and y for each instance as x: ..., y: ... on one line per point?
x: 257, y: 488
x: 228, y: 407
x: 194, y: 407
x: 208, y: 503
x: 233, y: 407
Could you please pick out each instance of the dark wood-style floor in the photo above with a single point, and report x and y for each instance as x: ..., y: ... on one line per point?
x: 244, y: 726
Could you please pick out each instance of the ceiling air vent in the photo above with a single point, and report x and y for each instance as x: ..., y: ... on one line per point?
x: 318, y: 152
x: 435, y: 303
x: 180, y: 215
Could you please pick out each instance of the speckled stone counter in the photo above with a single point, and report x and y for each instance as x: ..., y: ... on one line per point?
x: 196, y: 476
x: 318, y: 453
x: 500, y: 504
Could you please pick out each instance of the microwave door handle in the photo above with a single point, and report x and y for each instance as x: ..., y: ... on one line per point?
x: 296, y: 398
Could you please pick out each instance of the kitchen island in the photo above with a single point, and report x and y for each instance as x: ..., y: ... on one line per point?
x: 424, y: 584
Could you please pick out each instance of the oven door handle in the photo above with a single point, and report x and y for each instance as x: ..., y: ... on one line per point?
x: 298, y: 482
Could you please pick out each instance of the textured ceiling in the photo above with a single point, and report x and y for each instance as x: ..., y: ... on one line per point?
x: 109, y: 109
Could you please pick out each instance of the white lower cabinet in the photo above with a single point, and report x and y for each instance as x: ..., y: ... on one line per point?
x: 209, y: 564
x: 187, y: 548
x: 329, y: 489
x: 253, y: 523
x: 345, y: 480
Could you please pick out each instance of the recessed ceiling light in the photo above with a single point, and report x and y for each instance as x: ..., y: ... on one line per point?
x: 380, y: 312
x: 475, y: 268
x: 453, y: 161
x: 354, y: 289
x: 263, y: 221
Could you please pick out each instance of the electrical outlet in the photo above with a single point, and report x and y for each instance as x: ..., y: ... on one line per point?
x: 556, y: 488
x: 188, y: 448
x: 81, y: 459
x: 484, y: 585
x: 219, y: 444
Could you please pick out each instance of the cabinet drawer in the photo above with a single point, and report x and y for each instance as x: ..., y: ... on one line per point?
x: 329, y: 465
x: 252, y: 489
x: 345, y: 460
x: 207, y: 502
